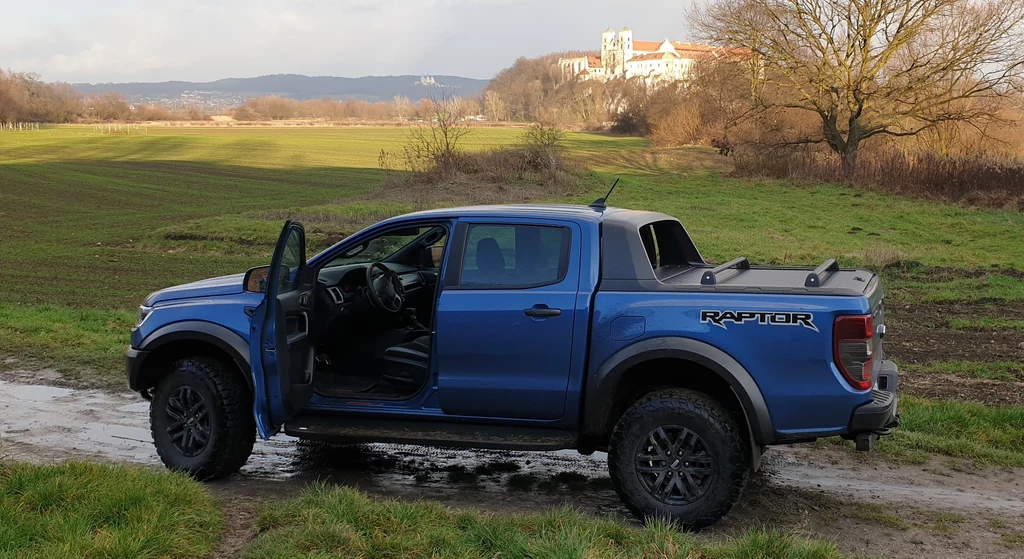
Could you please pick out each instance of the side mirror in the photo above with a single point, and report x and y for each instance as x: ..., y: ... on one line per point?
x: 255, y: 280
x: 430, y: 257
x: 436, y: 255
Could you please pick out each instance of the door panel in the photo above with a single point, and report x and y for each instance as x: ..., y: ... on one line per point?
x: 505, y: 330
x: 282, y: 353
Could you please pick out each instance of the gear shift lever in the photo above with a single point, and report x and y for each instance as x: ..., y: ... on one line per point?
x: 410, y: 315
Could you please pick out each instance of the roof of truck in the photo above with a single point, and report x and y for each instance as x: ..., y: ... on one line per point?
x: 565, y: 211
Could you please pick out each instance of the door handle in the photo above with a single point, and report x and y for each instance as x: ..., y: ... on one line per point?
x: 539, y: 311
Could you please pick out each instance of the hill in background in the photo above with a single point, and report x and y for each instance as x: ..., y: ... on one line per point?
x: 233, y: 91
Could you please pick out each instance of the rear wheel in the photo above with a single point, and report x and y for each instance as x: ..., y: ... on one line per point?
x: 679, y: 455
x: 201, y: 419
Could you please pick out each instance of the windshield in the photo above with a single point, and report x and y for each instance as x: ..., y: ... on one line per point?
x: 380, y: 249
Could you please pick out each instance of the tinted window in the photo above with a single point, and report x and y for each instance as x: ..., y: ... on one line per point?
x: 514, y: 255
x: 383, y: 247
x: 292, y: 259
x: 664, y: 242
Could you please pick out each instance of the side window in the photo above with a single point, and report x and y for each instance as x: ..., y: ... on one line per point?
x: 515, y: 256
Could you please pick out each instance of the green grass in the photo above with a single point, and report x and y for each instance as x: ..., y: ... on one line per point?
x: 1012, y: 539
x: 95, y: 222
x: 989, y: 435
x: 986, y: 323
x: 341, y: 522
x: 920, y: 284
x: 90, y: 510
x: 993, y: 370
x: 877, y: 513
x: 85, y: 344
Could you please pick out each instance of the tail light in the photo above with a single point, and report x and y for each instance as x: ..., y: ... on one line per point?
x: 853, y: 349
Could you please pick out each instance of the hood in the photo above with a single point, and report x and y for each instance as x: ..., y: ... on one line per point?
x: 224, y: 285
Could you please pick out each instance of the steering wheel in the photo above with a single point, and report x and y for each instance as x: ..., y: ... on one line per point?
x: 384, y: 288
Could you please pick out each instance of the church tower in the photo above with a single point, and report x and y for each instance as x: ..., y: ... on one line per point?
x: 608, y: 49
x: 626, y: 44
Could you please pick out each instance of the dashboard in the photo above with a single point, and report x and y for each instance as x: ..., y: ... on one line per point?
x: 344, y: 284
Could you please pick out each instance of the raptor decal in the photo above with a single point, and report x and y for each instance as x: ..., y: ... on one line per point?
x: 772, y: 318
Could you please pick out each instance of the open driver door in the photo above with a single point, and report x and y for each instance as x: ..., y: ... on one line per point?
x: 281, y: 349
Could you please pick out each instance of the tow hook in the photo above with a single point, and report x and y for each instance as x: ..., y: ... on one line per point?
x: 866, y: 441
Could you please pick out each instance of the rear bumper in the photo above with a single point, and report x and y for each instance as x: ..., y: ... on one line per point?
x: 881, y: 415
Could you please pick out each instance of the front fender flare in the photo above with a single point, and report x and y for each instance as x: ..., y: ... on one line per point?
x: 600, y: 396
x: 214, y: 334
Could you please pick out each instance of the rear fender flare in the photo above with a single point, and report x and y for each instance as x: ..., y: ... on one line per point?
x: 206, y: 332
x: 601, y: 387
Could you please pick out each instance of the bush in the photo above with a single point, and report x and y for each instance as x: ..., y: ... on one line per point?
x: 681, y: 127
x: 979, y: 180
x: 543, y: 146
x: 434, y: 156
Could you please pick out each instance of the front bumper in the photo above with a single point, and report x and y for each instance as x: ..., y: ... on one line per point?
x: 881, y: 415
x: 133, y: 360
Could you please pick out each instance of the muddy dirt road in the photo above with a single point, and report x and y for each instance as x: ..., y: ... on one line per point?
x: 860, y: 501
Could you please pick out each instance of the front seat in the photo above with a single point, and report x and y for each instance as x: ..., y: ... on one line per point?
x: 489, y: 259
x: 408, y: 364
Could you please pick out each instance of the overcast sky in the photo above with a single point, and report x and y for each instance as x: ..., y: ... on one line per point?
x: 143, y: 40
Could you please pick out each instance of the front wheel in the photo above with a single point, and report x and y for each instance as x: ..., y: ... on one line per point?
x: 201, y: 419
x: 679, y: 455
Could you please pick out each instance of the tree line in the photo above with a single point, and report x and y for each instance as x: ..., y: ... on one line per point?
x: 24, y: 97
x: 273, y: 107
x: 811, y: 76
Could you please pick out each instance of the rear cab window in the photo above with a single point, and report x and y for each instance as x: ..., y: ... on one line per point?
x: 667, y: 245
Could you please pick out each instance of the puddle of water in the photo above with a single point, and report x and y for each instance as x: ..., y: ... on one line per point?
x: 893, y: 485
x: 56, y: 423
x: 44, y: 423
x: 35, y: 393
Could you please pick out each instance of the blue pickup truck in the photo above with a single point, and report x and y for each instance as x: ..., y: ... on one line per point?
x: 522, y: 327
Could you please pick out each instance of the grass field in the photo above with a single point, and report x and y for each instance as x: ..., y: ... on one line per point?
x: 95, y: 222
x: 92, y: 223
x: 345, y: 523
x: 88, y: 510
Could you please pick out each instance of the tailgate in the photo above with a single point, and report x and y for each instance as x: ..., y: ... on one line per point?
x: 876, y: 300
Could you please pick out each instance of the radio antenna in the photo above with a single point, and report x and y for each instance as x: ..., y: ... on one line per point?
x: 601, y: 203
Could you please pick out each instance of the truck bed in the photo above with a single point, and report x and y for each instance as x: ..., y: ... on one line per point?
x: 775, y: 278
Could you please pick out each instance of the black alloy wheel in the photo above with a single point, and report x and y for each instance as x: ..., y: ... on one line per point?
x: 674, y: 465
x: 188, y: 421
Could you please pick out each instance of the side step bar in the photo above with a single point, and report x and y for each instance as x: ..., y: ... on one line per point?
x: 350, y: 430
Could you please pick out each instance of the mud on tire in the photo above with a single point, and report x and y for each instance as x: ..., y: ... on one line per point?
x: 679, y: 455
x: 201, y: 419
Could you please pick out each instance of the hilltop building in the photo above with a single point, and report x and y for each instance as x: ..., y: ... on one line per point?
x: 623, y: 57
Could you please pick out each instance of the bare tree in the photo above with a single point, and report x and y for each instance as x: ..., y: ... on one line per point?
x: 874, y: 67
x: 496, y: 107
x: 402, y: 106
x: 438, y: 141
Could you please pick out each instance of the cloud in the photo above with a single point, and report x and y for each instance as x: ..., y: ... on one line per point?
x: 145, y: 40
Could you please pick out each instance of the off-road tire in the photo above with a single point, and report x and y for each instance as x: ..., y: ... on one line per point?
x: 232, y: 429
x: 723, y: 442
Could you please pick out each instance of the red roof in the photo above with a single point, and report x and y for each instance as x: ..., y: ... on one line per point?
x: 647, y: 46
x: 593, y: 62
x: 691, y: 46
x: 654, y: 56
